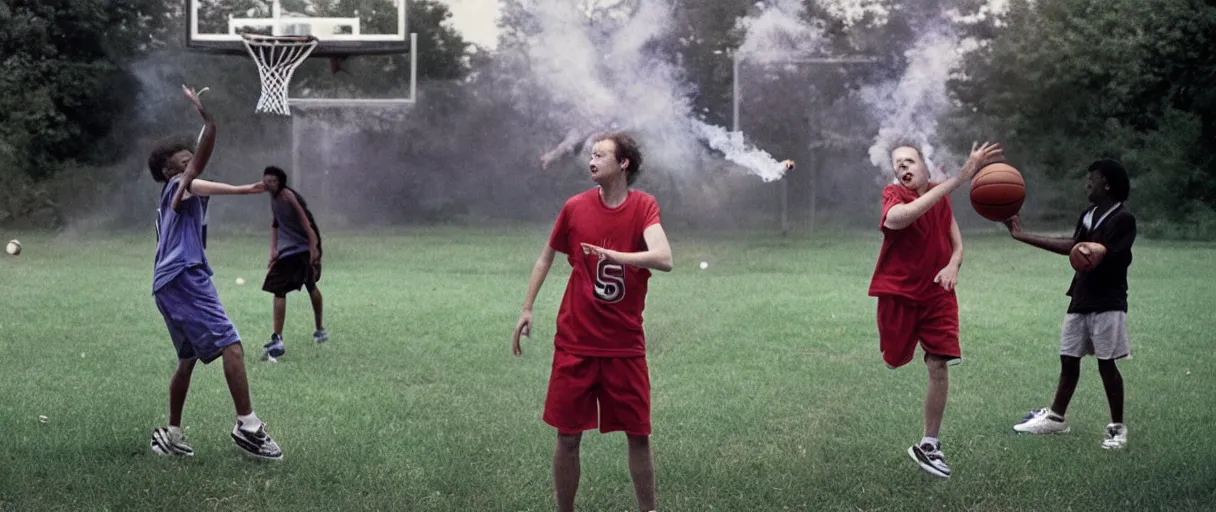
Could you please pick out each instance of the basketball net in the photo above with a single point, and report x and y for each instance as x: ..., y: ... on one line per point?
x: 277, y: 58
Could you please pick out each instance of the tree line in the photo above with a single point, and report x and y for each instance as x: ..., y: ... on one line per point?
x: 1060, y: 83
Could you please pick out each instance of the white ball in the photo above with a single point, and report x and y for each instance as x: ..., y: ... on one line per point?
x: 240, y: 280
x: 704, y: 265
x: 13, y: 247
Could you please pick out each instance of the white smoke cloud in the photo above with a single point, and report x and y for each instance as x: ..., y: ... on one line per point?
x: 597, y: 65
x: 853, y: 11
x: 779, y: 31
x: 909, y: 109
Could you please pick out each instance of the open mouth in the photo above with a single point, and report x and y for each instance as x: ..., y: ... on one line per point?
x: 594, y: 170
x: 905, y: 177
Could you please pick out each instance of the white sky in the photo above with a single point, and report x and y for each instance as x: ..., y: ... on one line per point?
x: 475, y: 19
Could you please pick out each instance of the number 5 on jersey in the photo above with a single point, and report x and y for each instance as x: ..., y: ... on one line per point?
x: 609, y: 281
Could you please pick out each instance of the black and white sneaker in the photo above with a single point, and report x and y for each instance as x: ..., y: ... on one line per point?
x: 931, y: 459
x: 257, y: 444
x: 167, y: 443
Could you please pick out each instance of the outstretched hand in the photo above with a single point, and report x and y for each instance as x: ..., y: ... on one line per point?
x: 194, y: 96
x: 980, y: 156
x: 599, y: 252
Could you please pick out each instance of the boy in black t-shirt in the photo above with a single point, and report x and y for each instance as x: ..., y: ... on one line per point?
x: 1096, y: 322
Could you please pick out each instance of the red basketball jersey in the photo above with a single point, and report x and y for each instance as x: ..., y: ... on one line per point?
x: 911, y: 257
x: 601, y: 312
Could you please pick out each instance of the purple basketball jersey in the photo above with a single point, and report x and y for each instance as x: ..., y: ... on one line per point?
x: 179, y: 243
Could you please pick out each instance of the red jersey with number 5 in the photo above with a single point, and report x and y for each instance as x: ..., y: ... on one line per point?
x: 601, y: 312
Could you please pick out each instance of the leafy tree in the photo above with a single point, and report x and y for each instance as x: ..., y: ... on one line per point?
x: 64, y: 81
x: 1068, y: 81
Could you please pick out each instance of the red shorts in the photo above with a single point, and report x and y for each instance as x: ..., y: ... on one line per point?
x: 620, y: 386
x: 902, y: 322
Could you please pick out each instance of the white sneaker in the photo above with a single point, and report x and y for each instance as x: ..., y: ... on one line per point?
x: 165, y: 442
x: 931, y: 459
x: 1043, y: 421
x: 257, y: 444
x: 1116, y: 436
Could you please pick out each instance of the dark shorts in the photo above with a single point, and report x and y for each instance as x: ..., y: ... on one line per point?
x: 197, y: 322
x: 290, y: 273
x: 612, y: 393
x: 903, y: 323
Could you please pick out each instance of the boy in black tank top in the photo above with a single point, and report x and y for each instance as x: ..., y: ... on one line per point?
x: 295, y: 257
x: 1096, y: 321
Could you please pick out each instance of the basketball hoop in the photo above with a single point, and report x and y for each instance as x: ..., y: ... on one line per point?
x: 277, y: 58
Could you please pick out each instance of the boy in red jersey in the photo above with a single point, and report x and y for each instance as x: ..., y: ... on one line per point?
x: 914, y: 280
x: 612, y: 238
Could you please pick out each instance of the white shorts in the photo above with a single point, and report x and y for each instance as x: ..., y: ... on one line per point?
x: 1102, y: 335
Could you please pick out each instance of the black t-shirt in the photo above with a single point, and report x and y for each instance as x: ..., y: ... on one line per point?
x: 1105, y: 287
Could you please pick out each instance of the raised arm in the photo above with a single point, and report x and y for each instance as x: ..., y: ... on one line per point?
x: 573, y: 139
x: 903, y: 215
x: 202, y: 153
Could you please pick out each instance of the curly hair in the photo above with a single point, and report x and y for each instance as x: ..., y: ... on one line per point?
x: 627, y: 150
x: 1116, y: 177
x: 278, y: 173
x: 162, y: 152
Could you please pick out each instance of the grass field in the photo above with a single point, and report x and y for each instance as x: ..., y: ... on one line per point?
x: 769, y: 391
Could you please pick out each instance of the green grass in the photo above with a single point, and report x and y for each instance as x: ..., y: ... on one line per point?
x: 769, y: 392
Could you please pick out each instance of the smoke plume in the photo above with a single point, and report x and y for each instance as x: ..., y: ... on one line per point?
x: 909, y: 109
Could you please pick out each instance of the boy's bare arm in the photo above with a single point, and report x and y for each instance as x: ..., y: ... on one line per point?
x: 1053, y: 244
x: 540, y: 270
x: 202, y: 154
x: 657, y: 255
x: 903, y: 215
x: 201, y: 187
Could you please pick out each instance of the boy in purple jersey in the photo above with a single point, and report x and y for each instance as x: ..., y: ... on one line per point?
x: 186, y: 297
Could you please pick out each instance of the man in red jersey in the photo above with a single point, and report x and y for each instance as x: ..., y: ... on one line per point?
x: 612, y: 238
x: 914, y: 280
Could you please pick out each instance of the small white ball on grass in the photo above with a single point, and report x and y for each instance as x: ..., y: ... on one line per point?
x: 13, y: 247
x: 240, y: 280
x: 704, y: 265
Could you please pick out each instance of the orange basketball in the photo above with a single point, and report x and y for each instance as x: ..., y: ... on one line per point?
x: 997, y: 192
x: 1086, y: 256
